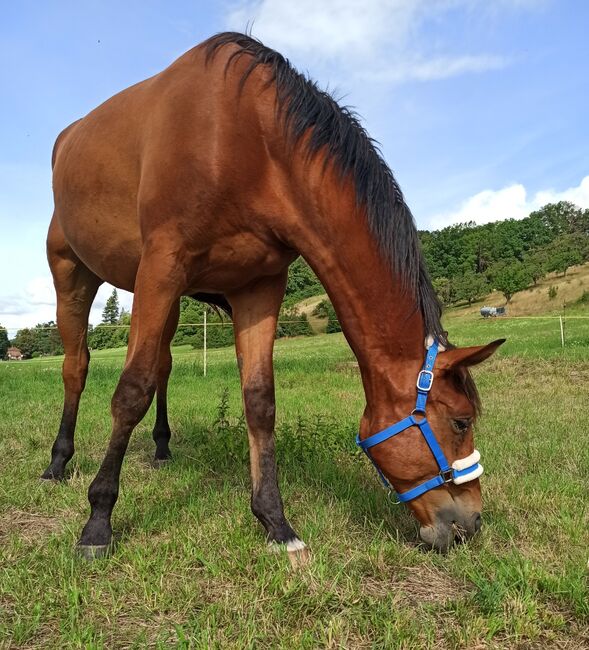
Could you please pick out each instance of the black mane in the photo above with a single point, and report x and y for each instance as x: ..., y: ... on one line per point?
x: 305, y: 108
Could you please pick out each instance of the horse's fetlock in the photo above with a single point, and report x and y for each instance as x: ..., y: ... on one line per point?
x: 63, y: 449
x: 103, y: 495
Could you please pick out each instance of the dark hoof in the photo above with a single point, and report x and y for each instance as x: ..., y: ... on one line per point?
x: 51, y: 475
x: 158, y: 463
x: 89, y: 552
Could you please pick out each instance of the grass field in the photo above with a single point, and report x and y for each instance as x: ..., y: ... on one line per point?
x: 191, y: 568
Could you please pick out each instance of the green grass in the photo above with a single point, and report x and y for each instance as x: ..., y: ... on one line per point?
x: 191, y: 567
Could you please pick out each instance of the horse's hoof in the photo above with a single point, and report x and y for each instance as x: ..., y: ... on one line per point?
x: 90, y: 552
x: 297, y: 551
x: 159, y: 463
x: 299, y: 559
x: 51, y: 476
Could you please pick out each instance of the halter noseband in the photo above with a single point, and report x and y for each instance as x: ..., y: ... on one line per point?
x: 461, y: 471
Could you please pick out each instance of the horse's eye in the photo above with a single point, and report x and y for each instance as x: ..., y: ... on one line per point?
x: 460, y: 425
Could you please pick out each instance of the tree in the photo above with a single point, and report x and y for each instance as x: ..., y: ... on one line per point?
x: 47, y: 339
x: 293, y: 324
x: 537, y: 264
x: 443, y: 288
x: 509, y: 278
x: 302, y: 282
x: 111, y: 313
x: 470, y: 286
x: 25, y: 341
x: 4, y: 342
x: 564, y: 252
x: 563, y: 218
x: 333, y: 324
x: 191, y: 316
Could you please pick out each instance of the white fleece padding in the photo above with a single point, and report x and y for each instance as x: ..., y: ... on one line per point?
x: 429, y: 341
x: 476, y: 472
x: 463, y: 463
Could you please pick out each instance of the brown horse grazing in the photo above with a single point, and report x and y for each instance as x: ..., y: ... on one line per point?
x: 211, y: 178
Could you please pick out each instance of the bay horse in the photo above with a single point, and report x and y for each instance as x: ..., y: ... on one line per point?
x: 209, y: 179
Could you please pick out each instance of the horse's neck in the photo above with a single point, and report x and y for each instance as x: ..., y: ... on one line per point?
x: 380, y: 320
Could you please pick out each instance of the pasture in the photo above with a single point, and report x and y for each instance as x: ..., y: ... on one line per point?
x: 191, y: 568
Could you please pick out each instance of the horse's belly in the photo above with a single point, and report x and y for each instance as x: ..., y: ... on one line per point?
x: 110, y: 247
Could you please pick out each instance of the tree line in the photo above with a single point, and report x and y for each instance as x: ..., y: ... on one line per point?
x: 465, y: 262
x: 44, y: 339
x: 113, y: 330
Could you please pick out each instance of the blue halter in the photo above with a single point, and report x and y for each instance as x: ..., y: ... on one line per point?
x: 447, y: 473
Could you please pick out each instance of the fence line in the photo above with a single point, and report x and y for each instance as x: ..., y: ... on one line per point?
x: 567, y: 317
x: 107, y: 326
x: 561, y: 318
x: 290, y: 322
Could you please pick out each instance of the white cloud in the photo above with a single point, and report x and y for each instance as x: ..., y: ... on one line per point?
x: 40, y: 291
x: 437, y: 68
x: 36, y: 304
x: 332, y: 28
x: 379, y: 40
x: 510, y: 202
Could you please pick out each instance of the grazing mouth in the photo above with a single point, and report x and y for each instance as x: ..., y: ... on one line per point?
x: 444, y: 534
x: 460, y: 533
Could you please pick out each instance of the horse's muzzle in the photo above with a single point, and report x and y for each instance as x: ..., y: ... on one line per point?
x: 452, y: 525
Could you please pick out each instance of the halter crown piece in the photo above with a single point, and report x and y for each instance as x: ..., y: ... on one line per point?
x: 461, y: 470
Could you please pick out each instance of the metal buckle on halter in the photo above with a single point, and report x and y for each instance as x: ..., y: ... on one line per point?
x: 429, y: 380
x: 447, y: 475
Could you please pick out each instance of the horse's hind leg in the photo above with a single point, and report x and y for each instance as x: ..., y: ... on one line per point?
x: 255, y: 313
x: 76, y: 287
x: 161, y: 430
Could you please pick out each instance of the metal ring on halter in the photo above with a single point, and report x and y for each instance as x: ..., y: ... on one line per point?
x: 391, y: 494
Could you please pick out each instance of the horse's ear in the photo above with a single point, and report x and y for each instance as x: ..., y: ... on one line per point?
x: 467, y: 356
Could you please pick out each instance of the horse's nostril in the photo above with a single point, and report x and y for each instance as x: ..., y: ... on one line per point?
x: 477, y: 522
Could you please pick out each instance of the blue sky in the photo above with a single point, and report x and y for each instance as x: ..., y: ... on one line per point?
x: 480, y: 106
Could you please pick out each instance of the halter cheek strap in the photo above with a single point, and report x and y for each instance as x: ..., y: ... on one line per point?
x: 461, y: 470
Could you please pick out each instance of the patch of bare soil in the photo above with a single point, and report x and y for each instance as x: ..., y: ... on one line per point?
x: 29, y: 526
x: 426, y: 584
x: 420, y: 584
x: 351, y: 367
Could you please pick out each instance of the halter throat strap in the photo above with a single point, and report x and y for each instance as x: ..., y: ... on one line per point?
x: 461, y: 471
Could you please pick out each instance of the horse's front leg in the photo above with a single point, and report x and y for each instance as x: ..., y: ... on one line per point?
x: 255, y: 313
x: 157, y: 288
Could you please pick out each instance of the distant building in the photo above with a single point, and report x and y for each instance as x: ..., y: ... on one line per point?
x: 14, y: 354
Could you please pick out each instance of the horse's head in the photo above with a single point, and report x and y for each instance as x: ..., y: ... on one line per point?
x: 429, y: 455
